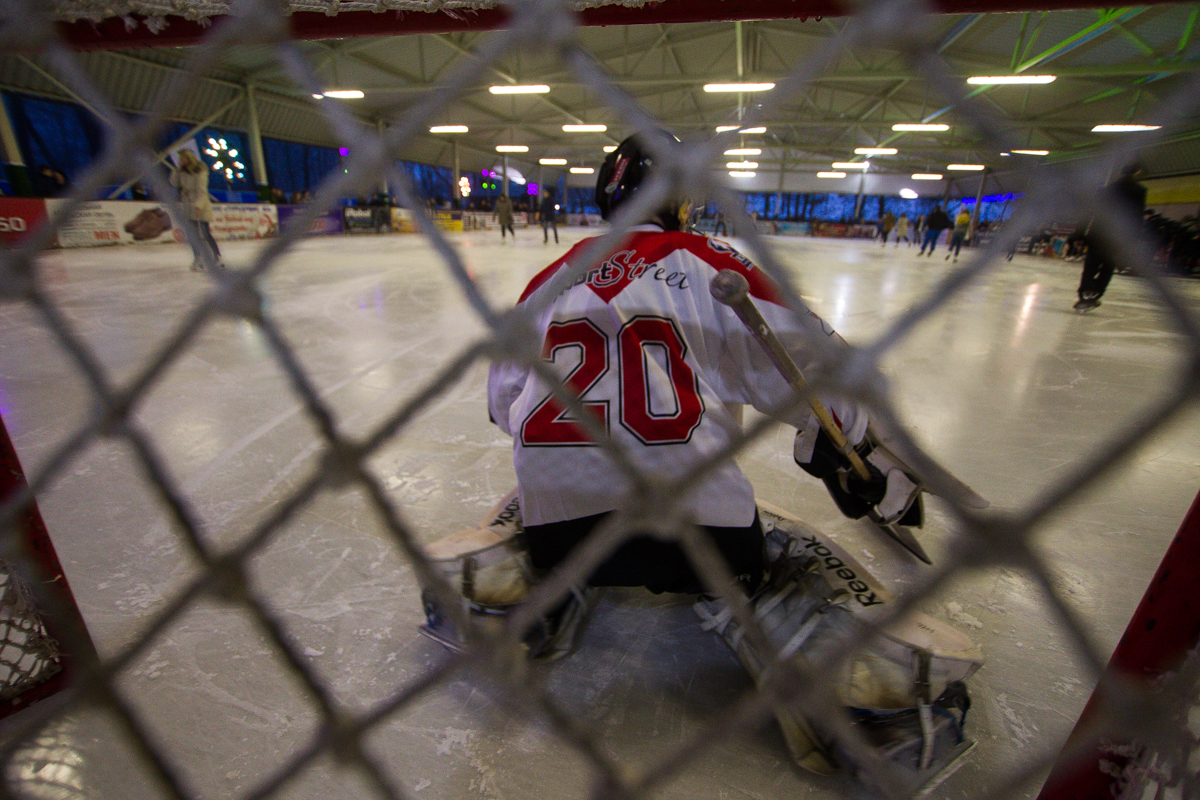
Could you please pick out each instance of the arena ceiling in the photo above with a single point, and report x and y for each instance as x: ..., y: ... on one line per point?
x: 1111, y: 65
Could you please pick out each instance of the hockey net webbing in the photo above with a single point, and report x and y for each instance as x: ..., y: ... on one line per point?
x: 1000, y: 537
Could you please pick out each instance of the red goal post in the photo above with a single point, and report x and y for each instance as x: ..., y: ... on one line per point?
x: 42, y: 634
x: 1101, y: 760
x: 177, y: 31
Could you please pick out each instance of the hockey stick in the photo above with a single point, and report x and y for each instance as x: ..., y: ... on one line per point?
x: 732, y: 289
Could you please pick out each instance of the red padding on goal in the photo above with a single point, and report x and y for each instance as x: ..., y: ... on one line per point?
x: 114, y: 34
x: 66, y: 626
x: 1165, y: 627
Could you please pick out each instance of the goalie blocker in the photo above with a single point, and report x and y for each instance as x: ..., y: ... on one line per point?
x: 904, y: 689
x: 892, y: 496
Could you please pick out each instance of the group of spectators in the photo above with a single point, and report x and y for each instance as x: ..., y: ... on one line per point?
x: 1179, y: 241
x: 527, y: 204
x: 282, y: 198
x: 48, y: 182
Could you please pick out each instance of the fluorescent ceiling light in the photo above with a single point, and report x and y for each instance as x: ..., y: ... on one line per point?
x: 1120, y: 129
x: 553, y: 162
x: 723, y: 128
x: 920, y: 126
x: 990, y: 80
x: 341, y: 94
x: 875, y: 151
x: 514, y: 175
x: 908, y: 194
x: 585, y: 128
x: 831, y: 174
x: 752, y: 130
x: 511, y: 148
x: 538, y: 88
x: 926, y: 176
x: 738, y: 87
x: 742, y: 165
x: 609, y: 148
x: 1032, y: 152
x: 582, y: 170
x: 744, y: 151
x: 965, y: 167
x: 733, y: 173
x: 449, y: 129
x: 851, y: 164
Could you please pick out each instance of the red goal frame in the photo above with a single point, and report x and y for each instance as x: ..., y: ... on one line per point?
x: 1163, y: 630
x: 56, y: 608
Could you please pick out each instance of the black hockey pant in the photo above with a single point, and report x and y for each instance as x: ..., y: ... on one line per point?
x: 645, y: 561
x: 1097, y: 272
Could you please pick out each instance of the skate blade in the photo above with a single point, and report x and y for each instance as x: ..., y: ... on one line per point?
x: 451, y: 644
x: 957, y: 759
x: 905, y: 539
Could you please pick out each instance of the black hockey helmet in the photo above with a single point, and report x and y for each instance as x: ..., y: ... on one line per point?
x: 623, y: 171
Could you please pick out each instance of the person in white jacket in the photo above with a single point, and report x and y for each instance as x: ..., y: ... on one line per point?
x: 191, y: 178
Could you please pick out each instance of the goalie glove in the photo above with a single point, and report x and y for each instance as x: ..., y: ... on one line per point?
x: 903, y: 689
x: 891, y: 496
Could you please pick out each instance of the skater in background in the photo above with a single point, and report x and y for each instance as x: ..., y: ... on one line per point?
x: 1126, y: 197
x: 962, y: 225
x: 902, y: 229
x: 885, y: 227
x: 503, y: 213
x: 937, y: 222
x: 549, y: 215
x: 191, y: 178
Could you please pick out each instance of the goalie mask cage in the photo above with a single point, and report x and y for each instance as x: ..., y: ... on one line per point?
x: 1145, y: 710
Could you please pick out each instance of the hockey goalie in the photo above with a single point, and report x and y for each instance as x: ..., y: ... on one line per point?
x: 658, y: 364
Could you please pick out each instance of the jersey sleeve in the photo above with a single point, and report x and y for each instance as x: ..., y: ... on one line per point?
x: 506, y: 381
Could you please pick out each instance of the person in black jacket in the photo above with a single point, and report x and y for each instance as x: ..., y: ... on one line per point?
x: 937, y: 222
x: 549, y: 215
x: 1128, y: 197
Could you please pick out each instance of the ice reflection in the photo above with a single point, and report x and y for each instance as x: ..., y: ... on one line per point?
x: 842, y: 294
x: 50, y: 767
x: 1031, y: 293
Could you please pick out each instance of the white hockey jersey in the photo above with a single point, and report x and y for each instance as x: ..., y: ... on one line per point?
x: 659, y: 362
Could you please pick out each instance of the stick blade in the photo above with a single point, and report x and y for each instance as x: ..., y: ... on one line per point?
x: 948, y: 486
x: 905, y: 538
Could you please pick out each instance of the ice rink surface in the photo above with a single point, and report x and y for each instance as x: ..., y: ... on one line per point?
x: 1009, y: 388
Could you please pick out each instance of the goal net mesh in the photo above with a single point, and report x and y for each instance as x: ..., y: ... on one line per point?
x: 997, y: 538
